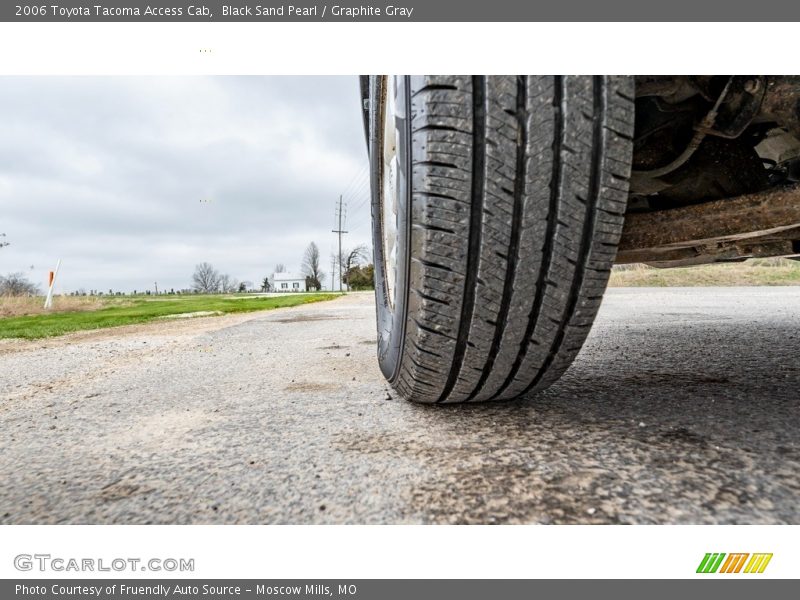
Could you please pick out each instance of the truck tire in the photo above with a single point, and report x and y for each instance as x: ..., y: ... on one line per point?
x: 497, y: 207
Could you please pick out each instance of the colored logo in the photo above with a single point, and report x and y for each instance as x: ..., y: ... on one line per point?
x: 719, y: 562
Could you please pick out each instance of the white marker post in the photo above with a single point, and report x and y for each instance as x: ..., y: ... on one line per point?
x: 48, y: 302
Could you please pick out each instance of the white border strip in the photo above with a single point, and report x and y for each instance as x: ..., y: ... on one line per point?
x: 350, y: 48
x: 371, y: 552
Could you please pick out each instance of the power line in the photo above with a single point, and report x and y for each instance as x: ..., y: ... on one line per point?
x: 352, y: 181
x: 356, y: 178
x: 360, y: 224
x: 359, y: 201
x: 358, y: 191
x: 363, y: 200
x: 358, y: 182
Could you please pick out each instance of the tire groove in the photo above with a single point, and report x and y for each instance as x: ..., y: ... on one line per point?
x: 476, y: 211
x: 428, y: 227
x: 514, y: 238
x: 552, y: 218
x: 598, y: 146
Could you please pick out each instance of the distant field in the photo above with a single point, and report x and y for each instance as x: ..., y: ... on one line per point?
x: 24, y: 317
x: 20, y: 306
x: 75, y: 314
x: 771, y: 271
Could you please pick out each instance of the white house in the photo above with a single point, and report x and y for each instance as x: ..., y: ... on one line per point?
x: 288, y: 282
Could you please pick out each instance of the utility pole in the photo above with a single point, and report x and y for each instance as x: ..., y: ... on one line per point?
x: 156, y: 284
x: 333, y: 269
x: 339, y: 231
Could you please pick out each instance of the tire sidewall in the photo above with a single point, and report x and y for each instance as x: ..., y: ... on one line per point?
x: 391, y: 316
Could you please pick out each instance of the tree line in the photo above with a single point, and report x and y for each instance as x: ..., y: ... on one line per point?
x: 207, y: 280
x: 357, y: 274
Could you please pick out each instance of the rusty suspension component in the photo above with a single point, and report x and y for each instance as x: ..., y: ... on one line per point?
x: 761, y: 224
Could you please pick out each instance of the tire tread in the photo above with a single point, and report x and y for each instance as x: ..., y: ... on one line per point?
x: 519, y: 188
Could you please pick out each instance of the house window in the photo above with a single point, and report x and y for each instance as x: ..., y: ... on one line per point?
x: 296, y: 286
x: 284, y: 286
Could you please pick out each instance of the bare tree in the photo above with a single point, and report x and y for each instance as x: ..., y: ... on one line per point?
x: 16, y: 284
x: 206, y: 279
x: 311, y: 267
x: 280, y: 268
x: 228, y: 284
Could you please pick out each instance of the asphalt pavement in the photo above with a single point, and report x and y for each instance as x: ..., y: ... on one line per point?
x: 683, y: 407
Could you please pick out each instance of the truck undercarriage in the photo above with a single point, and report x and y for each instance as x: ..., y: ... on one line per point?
x: 716, y: 170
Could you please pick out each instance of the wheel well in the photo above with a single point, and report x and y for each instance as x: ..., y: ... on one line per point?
x: 707, y: 149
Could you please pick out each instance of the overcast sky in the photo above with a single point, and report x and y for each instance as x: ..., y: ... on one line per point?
x: 108, y: 174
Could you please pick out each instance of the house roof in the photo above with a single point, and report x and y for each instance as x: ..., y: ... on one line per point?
x: 288, y: 277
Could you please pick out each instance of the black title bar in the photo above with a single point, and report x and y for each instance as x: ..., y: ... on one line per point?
x: 404, y: 11
x: 391, y: 589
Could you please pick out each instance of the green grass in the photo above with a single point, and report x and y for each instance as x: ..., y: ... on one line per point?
x: 140, y: 310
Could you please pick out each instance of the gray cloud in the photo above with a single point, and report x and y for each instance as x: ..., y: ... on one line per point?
x: 108, y: 174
